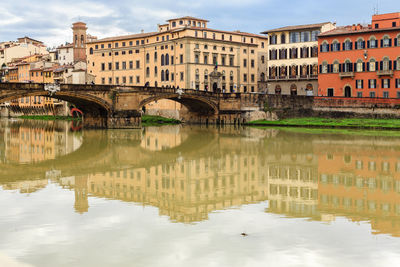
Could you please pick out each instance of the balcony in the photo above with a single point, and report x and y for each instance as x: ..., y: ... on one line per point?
x: 385, y: 73
x: 343, y: 75
x: 293, y: 78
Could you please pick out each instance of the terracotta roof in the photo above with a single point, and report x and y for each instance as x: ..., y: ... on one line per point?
x: 36, y: 69
x: 189, y: 17
x: 297, y: 27
x: 124, y: 37
x: 344, y: 30
x: 65, y: 46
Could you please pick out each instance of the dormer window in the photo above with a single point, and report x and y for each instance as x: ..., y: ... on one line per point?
x: 173, y: 24
x: 181, y: 22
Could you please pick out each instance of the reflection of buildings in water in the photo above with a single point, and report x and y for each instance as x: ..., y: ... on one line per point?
x: 157, y: 139
x: 186, y: 191
x: 26, y: 186
x: 293, y: 185
x: 362, y: 183
x: 28, y: 142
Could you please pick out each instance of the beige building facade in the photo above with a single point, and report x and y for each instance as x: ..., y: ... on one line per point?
x: 293, y: 59
x: 21, y: 48
x: 183, y: 53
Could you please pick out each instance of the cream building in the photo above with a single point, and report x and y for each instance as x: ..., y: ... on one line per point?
x: 293, y: 59
x: 65, y: 54
x: 182, y: 53
x: 17, y: 49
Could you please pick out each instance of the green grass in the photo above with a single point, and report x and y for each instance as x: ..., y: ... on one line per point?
x: 148, y: 120
x: 49, y: 118
x: 332, y: 123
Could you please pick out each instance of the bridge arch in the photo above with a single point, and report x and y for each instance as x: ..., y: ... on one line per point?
x: 195, y: 104
x: 91, y: 106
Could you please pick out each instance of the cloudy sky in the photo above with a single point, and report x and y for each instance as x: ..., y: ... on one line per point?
x: 50, y: 20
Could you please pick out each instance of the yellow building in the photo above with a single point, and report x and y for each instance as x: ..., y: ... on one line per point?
x: 182, y: 53
x: 293, y: 59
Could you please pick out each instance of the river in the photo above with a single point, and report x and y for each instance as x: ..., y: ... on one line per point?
x: 197, y: 196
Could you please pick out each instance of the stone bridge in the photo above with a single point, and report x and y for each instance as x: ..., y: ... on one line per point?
x: 108, y: 106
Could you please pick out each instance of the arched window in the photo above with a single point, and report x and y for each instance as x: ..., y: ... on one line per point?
x: 386, y: 41
x: 360, y: 67
x: 272, y: 39
x: 167, y: 75
x: 360, y: 44
x: 324, y: 67
x: 336, y: 66
x: 167, y: 59
x: 206, y: 75
x: 147, y: 58
x: 372, y: 43
x: 155, y: 56
x: 372, y: 65
x: 386, y: 64
x: 282, y: 71
x: 304, y: 71
x: 335, y: 45
x: 147, y: 72
x: 325, y: 47
x: 348, y: 45
x: 314, y: 51
x: 91, y: 50
x: 155, y: 71
x: 348, y: 66
x: 223, y: 76
x: 231, y: 76
x: 162, y: 75
x: 283, y: 38
x: 262, y: 59
x: 293, y: 71
x: 162, y: 60
x: 262, y: 77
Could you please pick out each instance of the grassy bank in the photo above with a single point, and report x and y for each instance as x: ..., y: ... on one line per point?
x: 49, y: 118
x: 148, y: 120
x: 332, y: 123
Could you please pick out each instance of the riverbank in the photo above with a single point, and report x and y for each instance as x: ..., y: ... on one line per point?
x: 386, y: 124
x: 148, y: 120
x: 48, y: 118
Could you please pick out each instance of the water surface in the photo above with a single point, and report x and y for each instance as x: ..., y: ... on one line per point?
x: 183, y: 196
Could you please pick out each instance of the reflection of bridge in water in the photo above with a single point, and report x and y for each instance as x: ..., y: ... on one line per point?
x: 309, y: 176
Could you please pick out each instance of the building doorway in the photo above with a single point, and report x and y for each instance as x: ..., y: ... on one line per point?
x: 330, y: 92
x: 215, y: 87
x: 278, y: 90
x: 293, y: 89
x: 347, y: 91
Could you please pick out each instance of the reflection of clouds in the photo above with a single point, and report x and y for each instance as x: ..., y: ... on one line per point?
x: 9, y: 262
x: 114, y: 233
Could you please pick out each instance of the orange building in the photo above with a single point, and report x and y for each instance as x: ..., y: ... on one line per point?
x: 361, y: 60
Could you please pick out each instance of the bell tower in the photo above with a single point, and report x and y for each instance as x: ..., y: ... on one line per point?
x: 79, y: 41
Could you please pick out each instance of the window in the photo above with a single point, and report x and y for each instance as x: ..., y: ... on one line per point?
x: 130, y: 79
x: 372, y: 65
x: 372, y: 43
x: 262, y: 59
x: 360, y: 66
x: 147, y: 58
x: 386, y: 64
x: 294, y: 37
x: 314, y: 35
x: 130, y: 65
x: 372, y: 94
x: 245, y: 77
x: 305, y: 37
x: 335, y: 46
x: 138, y: 64
x: 117, y: 65
x: 245, y: 63
x: 372, y: 84
x: 386, y: 42
x: 196, y: 58
x: 181, y: 74
x: 397, y: 83
x: 205, y: 59
x: 359, y: 94
x: 124, y: 80
x: 103, y: 67
x: 348, y: 45
x: 110, y: 66
x: 359, y: 84
x: 272, y: 39
x: 137, y: 79
x: 360, y: 44
x: 325, y: 47
x: 124, y: 65
x: 385, y: 83
x: 324, y: 67
x: 181, y: 59
x: 283, y: 38
x: 336, y: 66
x: 231, y: 60
x: 385, y: 94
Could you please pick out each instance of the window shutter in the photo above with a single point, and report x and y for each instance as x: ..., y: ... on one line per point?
x: 390, y: 42
x: 381, y: 65
x: 355, y: 45
x: 388, y: 83
x: 270, y: 54
x: 382, y: 43
x: 363, y: 44
x: 351, y: 45
x: 363, y: 66
x: 338, y: 46
x: 327, y: 48
x: 369, y: 84
x: 395, y: 42
x: 367, y: 66
x: 343, y: 45
x: 320, y: 68
x: 390, y: 65
x: 376, y: 65
x: 362, y: 84
x: 367, y: 44
x: 321, y: 48
x: 340, y: 67
x: 376, y: 43
x: 394, y: 64
x: 331, y: 47
x: 382, y: 82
